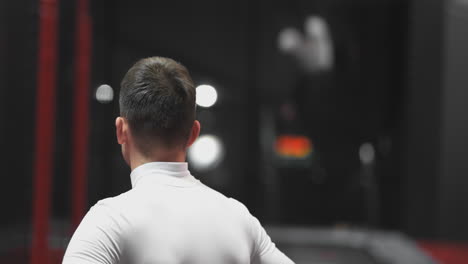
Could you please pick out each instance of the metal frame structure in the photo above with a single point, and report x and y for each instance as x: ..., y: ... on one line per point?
x: 46, y: 118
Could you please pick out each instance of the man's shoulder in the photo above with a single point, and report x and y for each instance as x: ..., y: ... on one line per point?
x: 230, y: 202
x: 116, y: 204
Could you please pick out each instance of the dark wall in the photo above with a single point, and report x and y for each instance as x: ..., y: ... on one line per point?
x: 436, y: 161
x: 18, y: 35
x: 423, y: 106
x: 359, y: 101
x: 453, y: 183
x: 61, y: 191
x: 3, y: 52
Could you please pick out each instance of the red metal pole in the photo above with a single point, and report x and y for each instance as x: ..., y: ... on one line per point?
x: 81, y: 111
x: 45, y: 128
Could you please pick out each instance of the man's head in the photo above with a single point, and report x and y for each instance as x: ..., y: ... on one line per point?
x: 157, y: 108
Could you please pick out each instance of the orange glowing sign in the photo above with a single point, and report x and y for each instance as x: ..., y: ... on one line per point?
x: 293, y: 146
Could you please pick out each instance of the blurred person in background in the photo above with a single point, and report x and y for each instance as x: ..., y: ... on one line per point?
x: 168, y: 216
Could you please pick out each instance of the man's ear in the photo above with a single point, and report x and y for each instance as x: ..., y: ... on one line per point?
x: 121, y: 130
x: 194, y: 133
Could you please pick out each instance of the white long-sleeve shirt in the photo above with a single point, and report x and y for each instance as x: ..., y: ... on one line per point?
x: 170, y: 217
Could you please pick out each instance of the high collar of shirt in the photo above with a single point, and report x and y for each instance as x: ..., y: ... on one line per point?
x: 165, y: 173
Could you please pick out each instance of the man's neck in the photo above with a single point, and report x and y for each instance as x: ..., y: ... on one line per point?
x: 138, y: 159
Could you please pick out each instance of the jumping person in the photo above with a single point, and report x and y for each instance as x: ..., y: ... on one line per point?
x: 168, y: 216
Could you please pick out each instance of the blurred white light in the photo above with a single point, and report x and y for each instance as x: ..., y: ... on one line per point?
x: 315, y: 26
x: 104, y: 93
x: 289, y: 39
x: 206, y: 152
x: 367, y: 153
x: 319, y: 45
x: 206, y: 95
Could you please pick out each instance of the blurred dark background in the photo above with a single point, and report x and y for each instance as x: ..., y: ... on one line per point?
x: 388, y: 123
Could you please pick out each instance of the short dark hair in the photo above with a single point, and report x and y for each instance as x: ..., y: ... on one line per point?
x: 157, y: 97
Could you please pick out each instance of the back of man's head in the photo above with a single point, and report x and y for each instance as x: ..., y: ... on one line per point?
x: 157, y: 97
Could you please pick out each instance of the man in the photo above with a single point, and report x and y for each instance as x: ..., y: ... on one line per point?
x: 168, y: 216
